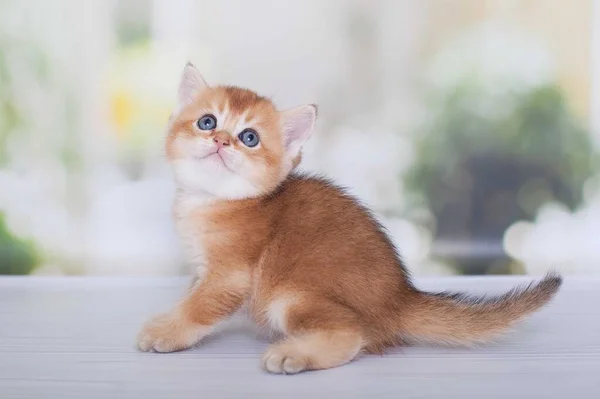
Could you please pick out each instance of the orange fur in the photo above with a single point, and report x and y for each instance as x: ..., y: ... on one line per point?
x: 309, y: 260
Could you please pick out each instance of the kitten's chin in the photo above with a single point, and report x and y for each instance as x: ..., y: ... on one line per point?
x: 201, y: 175
x: 213, y: 161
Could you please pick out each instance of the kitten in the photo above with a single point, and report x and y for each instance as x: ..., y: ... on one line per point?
x: 308, y: 260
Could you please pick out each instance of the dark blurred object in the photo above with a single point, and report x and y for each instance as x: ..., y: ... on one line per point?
x: 480, y: 171
x: 16, y: 256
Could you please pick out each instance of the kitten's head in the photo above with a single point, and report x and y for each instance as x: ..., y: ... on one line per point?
x: 230, y: 142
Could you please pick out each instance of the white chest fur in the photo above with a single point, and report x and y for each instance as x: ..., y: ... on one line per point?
x: 187, y: 212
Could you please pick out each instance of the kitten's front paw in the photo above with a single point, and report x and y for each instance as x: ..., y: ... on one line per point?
x: 169, y: 332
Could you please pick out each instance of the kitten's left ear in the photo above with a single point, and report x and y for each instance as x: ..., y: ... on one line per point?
x: 192, y: 83
x: 298, y: 124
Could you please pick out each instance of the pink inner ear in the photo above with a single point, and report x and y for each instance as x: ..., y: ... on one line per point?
x: 191, y: 84
x: 297, y: 131
x: 298, y: 125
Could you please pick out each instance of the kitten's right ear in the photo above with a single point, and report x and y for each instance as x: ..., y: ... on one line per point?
x: 191, y: 84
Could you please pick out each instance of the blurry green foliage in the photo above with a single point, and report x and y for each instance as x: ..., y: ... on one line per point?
x: 486, y: 161
x: 11, y: 118
x: 9, y: 115
x: 16, y: 256
x: 133, y: 20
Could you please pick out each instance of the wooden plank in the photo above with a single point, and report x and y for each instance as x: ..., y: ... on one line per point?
x: 75, y: 338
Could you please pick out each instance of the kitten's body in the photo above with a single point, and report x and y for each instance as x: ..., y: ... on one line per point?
x: 286, y: 243
x: 309, y: 261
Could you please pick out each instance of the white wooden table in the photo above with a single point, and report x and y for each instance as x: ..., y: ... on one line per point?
x: 75, y: 338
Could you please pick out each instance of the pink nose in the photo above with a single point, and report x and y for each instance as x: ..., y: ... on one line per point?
x: 221, y: 141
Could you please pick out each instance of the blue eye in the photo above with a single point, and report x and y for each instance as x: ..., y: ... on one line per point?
x: 249, y: 137
x: 207, y: 122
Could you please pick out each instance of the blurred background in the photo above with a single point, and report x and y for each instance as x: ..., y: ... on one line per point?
x: 471, y: 127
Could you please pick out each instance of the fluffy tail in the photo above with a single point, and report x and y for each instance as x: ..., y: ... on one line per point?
x: 459, y: 319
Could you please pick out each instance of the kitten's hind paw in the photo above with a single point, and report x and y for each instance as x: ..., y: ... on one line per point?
x: 280, y: 359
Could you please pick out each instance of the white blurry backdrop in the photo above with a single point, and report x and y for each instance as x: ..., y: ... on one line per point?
x: 467, y: 125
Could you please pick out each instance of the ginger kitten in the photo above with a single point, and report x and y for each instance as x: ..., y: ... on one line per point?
x: 308, y: 260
